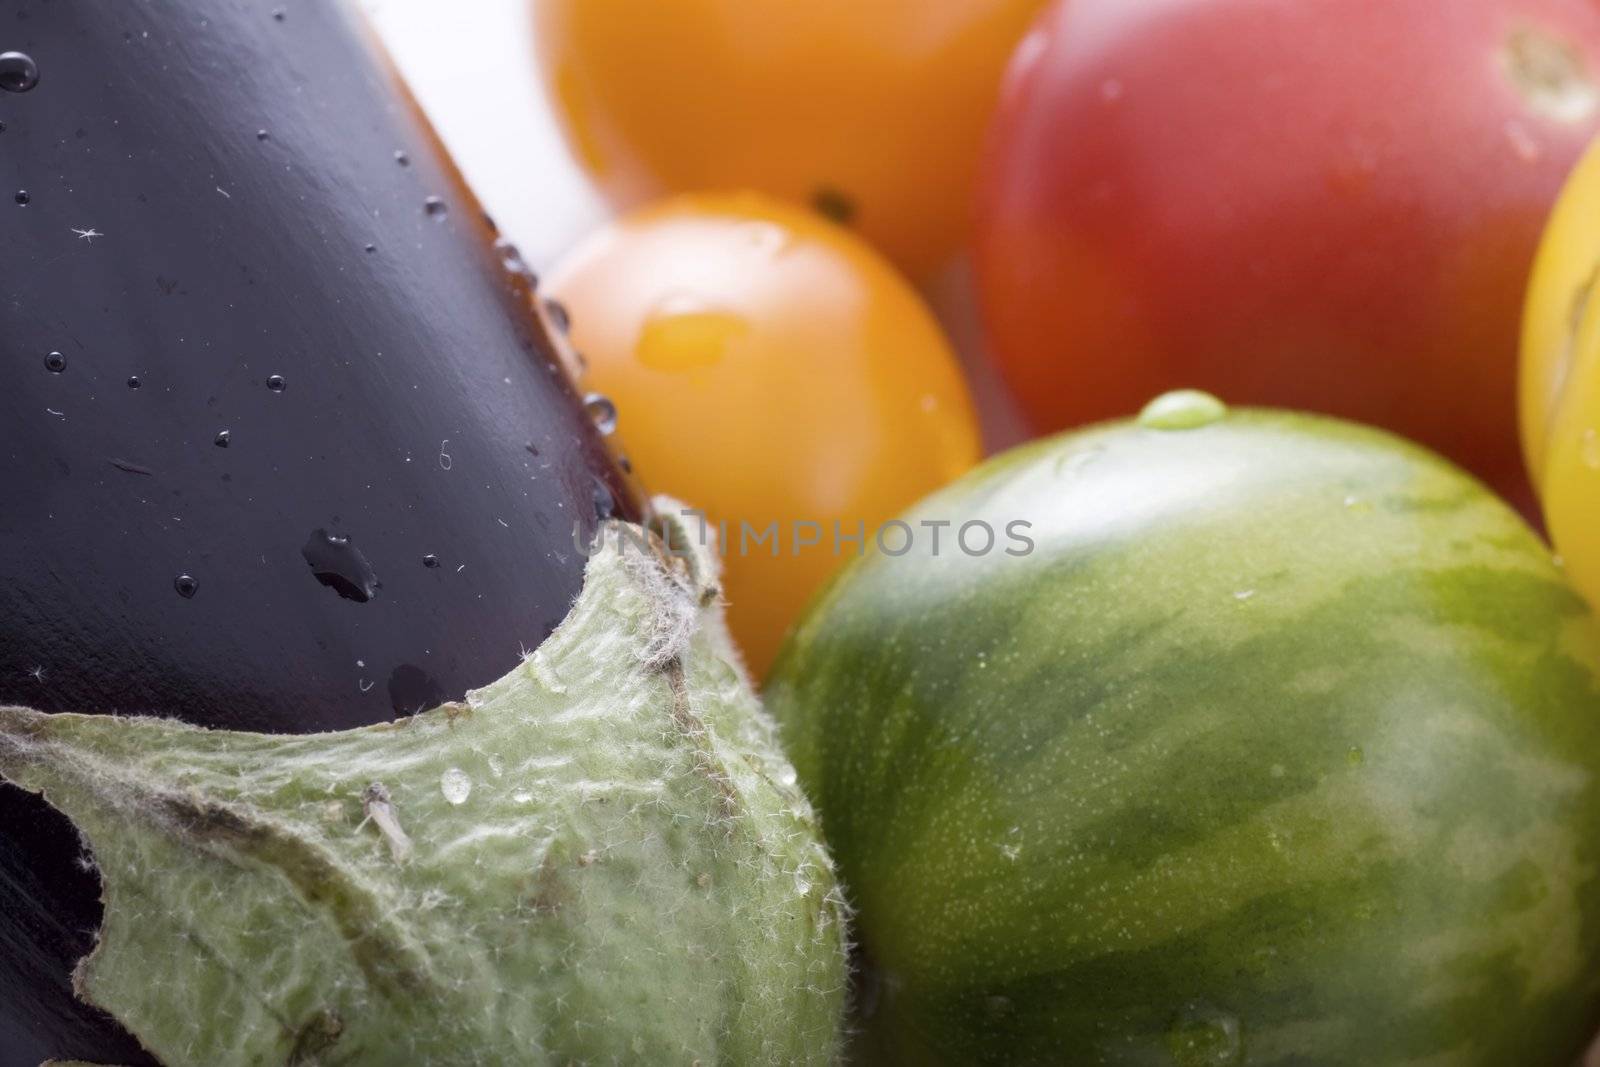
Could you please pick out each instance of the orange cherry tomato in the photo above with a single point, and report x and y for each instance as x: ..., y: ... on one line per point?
x: 873, y: 111
x: 767, y: 367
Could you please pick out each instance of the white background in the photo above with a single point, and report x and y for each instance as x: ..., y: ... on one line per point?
x: 470, y: 64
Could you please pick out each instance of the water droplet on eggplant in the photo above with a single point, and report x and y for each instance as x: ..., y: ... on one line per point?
x: 340, y: 566
x: 559, y: 315
x: 18, y: 72
x: 605, y: 501
x: 602, y: 411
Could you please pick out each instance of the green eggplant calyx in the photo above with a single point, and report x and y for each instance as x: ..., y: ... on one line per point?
x: 601, y: 856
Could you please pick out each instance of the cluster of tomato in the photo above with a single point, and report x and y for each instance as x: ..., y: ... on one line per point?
x: 1330, y: 205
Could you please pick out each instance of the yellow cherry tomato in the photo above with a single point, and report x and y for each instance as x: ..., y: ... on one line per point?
x: 1560, y: 384
x: 767, y: 367
x: 872, y: 110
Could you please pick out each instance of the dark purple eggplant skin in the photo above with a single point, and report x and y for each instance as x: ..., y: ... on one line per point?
x: 219, y: 192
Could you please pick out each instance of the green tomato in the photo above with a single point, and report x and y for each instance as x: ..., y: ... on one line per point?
x: 1278, y: 747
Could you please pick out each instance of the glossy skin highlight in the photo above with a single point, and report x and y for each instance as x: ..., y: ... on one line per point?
x: 877, y: 110
x: 1321, y: 205
x: 767, y: 366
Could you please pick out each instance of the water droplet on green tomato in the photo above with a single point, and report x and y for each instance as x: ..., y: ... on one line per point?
x: 1203, y: 1037
x: 1184, y: 409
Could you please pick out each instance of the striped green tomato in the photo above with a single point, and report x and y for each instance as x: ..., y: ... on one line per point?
x: 1279, y: 747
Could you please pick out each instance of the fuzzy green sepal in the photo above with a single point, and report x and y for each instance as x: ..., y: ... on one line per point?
x: 602, y: 857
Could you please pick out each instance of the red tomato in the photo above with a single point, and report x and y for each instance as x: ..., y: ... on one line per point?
x: 1322, y: 204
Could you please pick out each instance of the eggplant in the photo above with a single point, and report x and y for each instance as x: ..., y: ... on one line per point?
x: 284, y: 444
